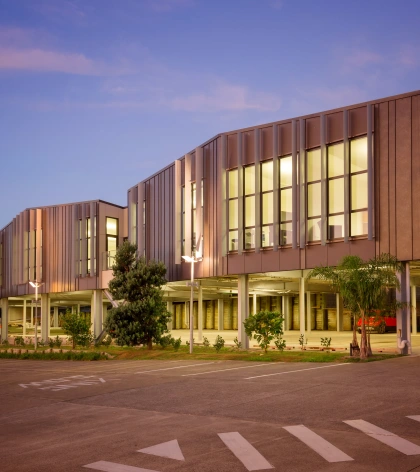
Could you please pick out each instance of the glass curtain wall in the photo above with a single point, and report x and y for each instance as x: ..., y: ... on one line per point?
x: 267, y: 204
x: 358, y: 187
x: 249, y: 202
x: 335, y: 157
x: 286, y: 200
x: 313, y: 173
x: 233, y: 210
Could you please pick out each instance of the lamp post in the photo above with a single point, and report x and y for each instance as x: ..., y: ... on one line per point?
x: 36, y: 285
x: 192, y: 259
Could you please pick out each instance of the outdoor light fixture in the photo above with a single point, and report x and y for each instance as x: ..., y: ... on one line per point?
x: 36, y: 285
x: 191, y: 260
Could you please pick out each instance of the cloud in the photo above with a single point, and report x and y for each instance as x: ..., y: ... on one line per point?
x: 361, y: 58
x: 226, y: 97
x: 168, y: 5
x: 62, y: 11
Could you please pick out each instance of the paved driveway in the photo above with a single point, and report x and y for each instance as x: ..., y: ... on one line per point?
x: 209, y: 416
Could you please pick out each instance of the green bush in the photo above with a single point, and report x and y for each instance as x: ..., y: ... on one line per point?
x: 237, y: 343
x: 19, y: 341
x: 78, y: 329
x: 166, y: 341
x: 176, y: 343
x: 264, y: 327
x: 206, y: 342
x: 107, y: 340
x: 220, y: 342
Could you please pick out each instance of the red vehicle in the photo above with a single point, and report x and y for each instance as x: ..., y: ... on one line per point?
x: 380, y: 324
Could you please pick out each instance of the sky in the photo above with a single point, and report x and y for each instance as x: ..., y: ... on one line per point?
x: 97, y: 95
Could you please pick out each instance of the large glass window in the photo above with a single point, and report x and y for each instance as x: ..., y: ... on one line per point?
x: 134, y: 212
x: 335, y: 155
x: 286, y: 200
x: 233, y: 209
x: 313, y: 173
x: 358, y: 187
x: 111, y: 235
x: 88, y: 252
x: 267, y: 203
x: 249, y: 201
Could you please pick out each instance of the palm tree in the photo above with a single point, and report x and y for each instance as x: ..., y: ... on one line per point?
x: 364, y: 287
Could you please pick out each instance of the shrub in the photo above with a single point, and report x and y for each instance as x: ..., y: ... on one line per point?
x: 326, y: 342
x: 176, y: 343
x: 264, y: 326
x: 78, y: 329
x: 166, y: 341
x: 107, y: 340
x: 220, y: 342
x: 280, y: 343
x: 19, y: 341
x: 55, y: 342
x: 237, y: 343
x: 206, y: 342
x: 301, y: 340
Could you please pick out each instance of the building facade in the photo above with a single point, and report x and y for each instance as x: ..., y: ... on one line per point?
x: 261, y: 206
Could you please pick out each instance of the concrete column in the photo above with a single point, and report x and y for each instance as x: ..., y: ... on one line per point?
x: 24, y: 317
x: 243, y: 309
x: 254, y: 303
x: 220, y: 313
x: 340, y: 308
x: 78, y: 308
x: 414, y: 309
x: 56, y: 317
x: 96, y: 314
x: 278, y: 304
x: 403, y: 314
x: 200, y: 313
x: 45, y: 316
x: 308, y: 312
x: 4, y: 318
x: 285, y: 301
x: 170, y: 309
x: 302, y: 305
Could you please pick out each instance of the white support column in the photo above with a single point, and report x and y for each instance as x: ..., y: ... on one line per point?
x: 45, y: 316
x: 302, y: 305
x: 170, y: 309
x: 187, y: 315
x: 254, y: 303
x: 414, y: 309
x: 96, y: 314
x: 308, y: 312
x: 243, y: 309
x: 56, y: 317
x: 200, y: 313
x: 24, y: 317
x: 4, y: 318
x: 285, y: 310
x: 340, y: 308
x: 403, y: 314
x: 220, y: 313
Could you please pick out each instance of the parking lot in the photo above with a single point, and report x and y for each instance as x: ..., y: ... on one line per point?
x: 209, y: 416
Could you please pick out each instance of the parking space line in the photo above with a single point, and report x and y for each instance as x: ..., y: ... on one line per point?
x: 415, y: 417
x: 245, y: 451
x: 294, y: 371
x: 171, y: 368
x: 233, y: 368
x: 106, y: 466
x: 318, y: 444
x: 390, y: 439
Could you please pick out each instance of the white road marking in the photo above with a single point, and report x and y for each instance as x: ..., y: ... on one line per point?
x: 233, y: 368
x: 245, y: 451
x: 64, y: 383
x: 171, y: 368
x: 293, y: 371
x: 390, y: 439
x: 106, y: 466
x: 321, y: 446
x: 169, y: 449
x: 415, y: 417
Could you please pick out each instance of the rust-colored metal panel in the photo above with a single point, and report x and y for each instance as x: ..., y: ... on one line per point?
x: 335, y: 127
x: 392, y: 180
x: 252, y: 262
x: 235, y: 264
x: 415, y: 171
x: 285, y: 139
x: 193, y: 166
x: 403, y: 180
x: 313, y: 132
x: 232, y: 151
x: 363, y: 248
x: 270, y: 261
x: 336, y: 251
x: 289, y: 258
x: 183, y: 171
x: 381, y: 156
x: 357, y: 121
x: 248, y: 147
x: 315, y: 256
x: 266, y: 143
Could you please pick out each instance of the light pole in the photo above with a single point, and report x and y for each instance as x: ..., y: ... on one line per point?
x: 36, y: 285
x: 192, y: 259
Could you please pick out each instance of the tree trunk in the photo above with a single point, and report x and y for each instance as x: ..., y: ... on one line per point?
x: 369, y: 348
x: 363, y: 339
x: 149, y: 344
x: 354, y: 342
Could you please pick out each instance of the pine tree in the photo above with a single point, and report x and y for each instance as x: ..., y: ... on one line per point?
x: 141, y: 317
